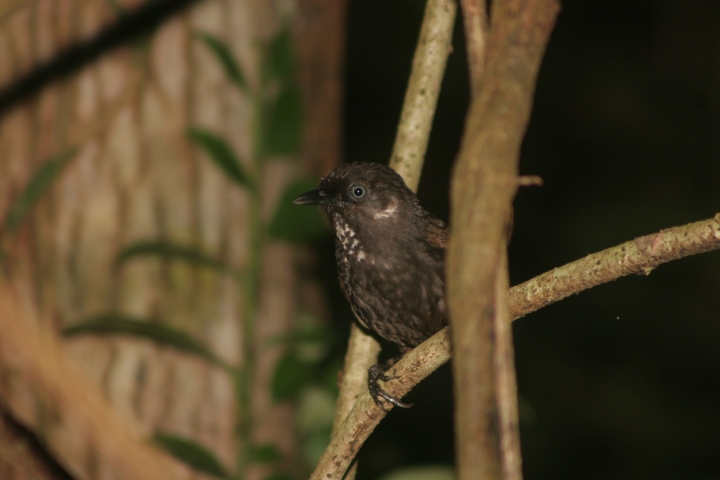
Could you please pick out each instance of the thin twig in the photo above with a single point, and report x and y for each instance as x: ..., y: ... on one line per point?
x: 639, y: 256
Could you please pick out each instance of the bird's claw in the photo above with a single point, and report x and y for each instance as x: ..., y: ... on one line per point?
x: 377, y: 373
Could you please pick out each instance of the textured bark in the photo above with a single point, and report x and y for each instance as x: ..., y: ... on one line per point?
x: 136, y: 177
x: 22, y: 458
x: 484, y: 183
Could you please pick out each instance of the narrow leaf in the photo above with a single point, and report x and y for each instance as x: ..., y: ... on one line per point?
x: 297, y: 335
x: 284, y: 129
x: 264, y: 453
x: 226, y: 59
x: 192, y: 454
x: 171, y: 251
x: 296, y: 223
x: 38, y: 185
x: 280, y: 61
x: 117, y: 324
x: 220, y: 153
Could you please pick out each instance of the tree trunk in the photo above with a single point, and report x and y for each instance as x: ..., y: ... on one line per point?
x: 135, y: 177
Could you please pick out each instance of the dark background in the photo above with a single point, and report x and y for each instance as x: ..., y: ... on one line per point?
x: 622, y: 381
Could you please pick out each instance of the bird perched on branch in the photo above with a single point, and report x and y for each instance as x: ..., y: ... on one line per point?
x: 390, y: 256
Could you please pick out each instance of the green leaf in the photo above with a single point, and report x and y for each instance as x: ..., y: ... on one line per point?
x: 289, y: 378
x: 265, y: 453
x: 39, y: 183
x: 315, y: 410
x: 296, y: 223
x: 226, y: 59
x: 279, y: 476
x: 220, y: 153
x: 116, y: 324
x: 192, y: 454
x: 171, y: 251
x: 280, y: 60
x: 284, y: 128
x: 299, y: 335
x: 314, y: 446
x: 330, y: 375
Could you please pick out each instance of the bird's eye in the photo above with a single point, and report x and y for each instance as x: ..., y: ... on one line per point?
x: 358, y: 191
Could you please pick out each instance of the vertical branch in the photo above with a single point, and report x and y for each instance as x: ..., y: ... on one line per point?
x: 506, y: 384
x: 434, y: 46
x: 421, y: 96
x: 484, y: 183
x: 476, y: 31
x: 475, y: 23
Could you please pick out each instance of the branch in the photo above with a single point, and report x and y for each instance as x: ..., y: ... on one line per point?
x: 475, y: 24
x: 365, y: 415
x: 423, y: 89
x: 362, y: 353
x: 483, y: 186
x: 639, y: 256
x: 407, y: 159
x: 33, y: 358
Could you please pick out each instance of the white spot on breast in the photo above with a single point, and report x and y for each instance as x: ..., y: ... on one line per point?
x: 345, y: 239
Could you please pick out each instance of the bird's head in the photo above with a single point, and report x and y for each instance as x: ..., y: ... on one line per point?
x: 358, y: 193
x: 361, y: 192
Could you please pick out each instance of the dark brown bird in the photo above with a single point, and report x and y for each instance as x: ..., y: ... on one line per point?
x: 390, y: 255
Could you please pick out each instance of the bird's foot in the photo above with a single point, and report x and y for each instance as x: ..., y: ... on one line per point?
x: 377, y: 373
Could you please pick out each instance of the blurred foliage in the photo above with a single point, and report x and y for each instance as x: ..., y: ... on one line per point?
x: 285, y: 122
x: 265, y: 453
x: 221, y: 154
x: 40, y: 182
x: 293, y: 223
x: 226, y: 58
x: 192, y: 454
x: 279, y: 62
x: 170, y: 251
x: 149, y: 329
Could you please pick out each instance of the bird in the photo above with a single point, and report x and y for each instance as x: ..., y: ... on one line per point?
x: 390, y: 255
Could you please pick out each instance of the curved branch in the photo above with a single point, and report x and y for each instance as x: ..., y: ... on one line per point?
x: 35, y: 357
x: 639, y: 256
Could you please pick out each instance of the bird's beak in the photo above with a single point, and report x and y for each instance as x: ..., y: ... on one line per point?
x: 313, y: 197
